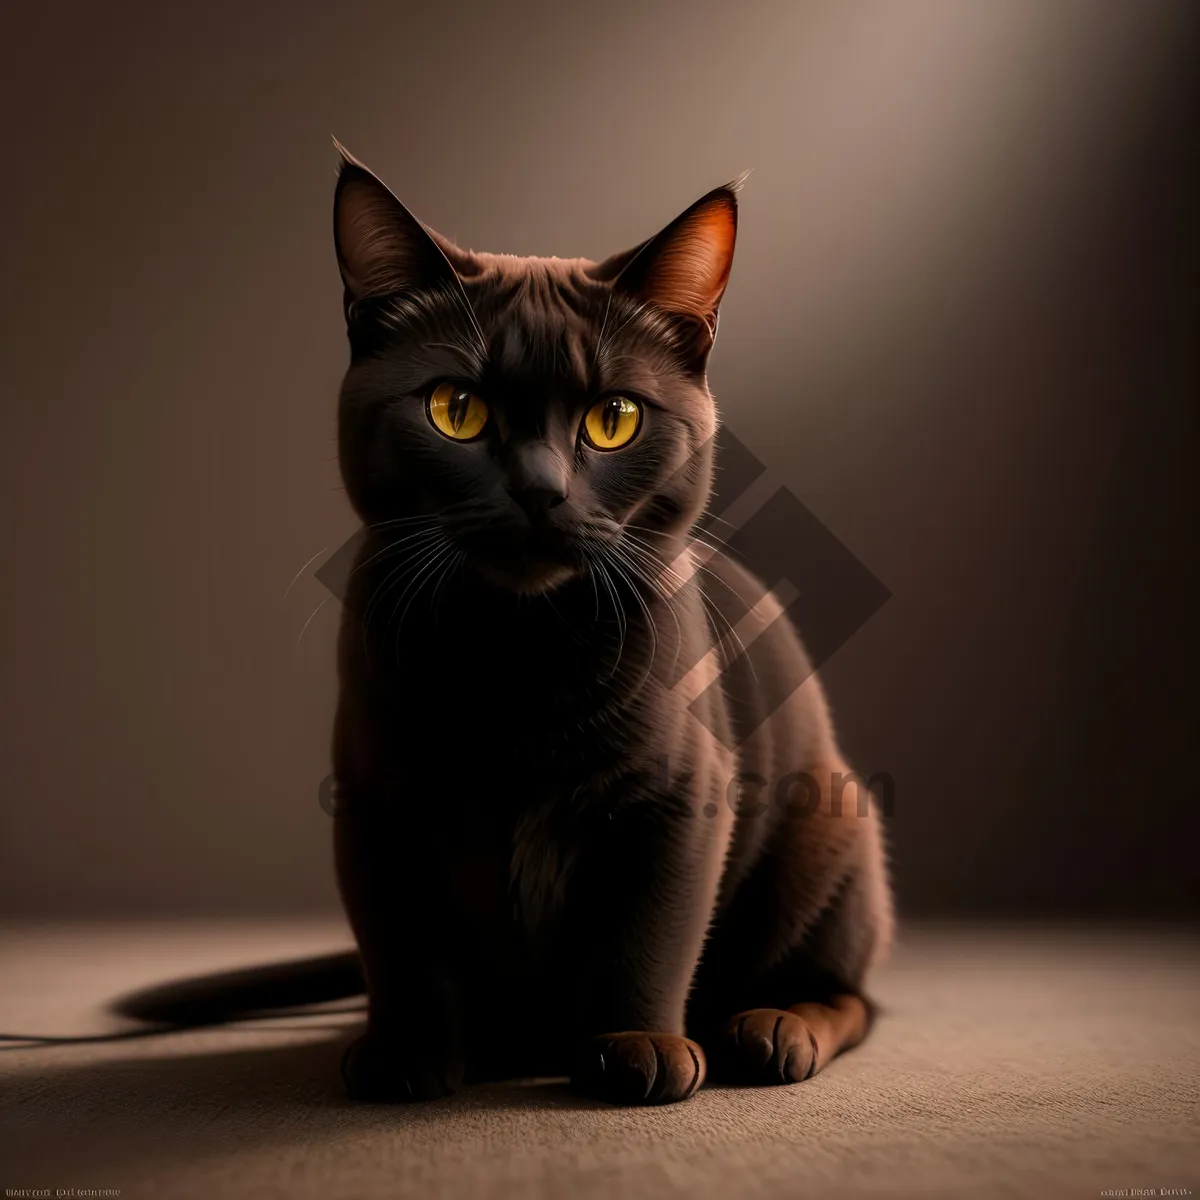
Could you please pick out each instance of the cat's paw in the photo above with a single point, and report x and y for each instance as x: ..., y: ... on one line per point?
x: 765, y: 1045
x: 380, y: 1071
x: 639, y: 1068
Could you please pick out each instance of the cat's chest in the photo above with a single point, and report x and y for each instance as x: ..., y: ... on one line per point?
x: 505, y: 722
x: 513, y: 744
x: 512, y: 872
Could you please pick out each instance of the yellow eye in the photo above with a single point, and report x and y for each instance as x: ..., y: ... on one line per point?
x: 457, y: 413
x: 612, y: 422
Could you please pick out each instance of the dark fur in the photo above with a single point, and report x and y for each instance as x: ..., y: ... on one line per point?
x: 535, y: 843
x: 523, y: 848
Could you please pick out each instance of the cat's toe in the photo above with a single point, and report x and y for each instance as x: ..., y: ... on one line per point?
x: 376, y: 1071
x: 639, y: 1068
x: 765, y: 1045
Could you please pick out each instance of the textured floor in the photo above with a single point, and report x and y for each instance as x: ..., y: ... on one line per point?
x: 1031, y: 1062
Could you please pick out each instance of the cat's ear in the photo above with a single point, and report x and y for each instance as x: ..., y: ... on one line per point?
x: 684, y: 269
x: 382, y: 249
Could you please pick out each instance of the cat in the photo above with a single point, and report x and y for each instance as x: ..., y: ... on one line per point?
x: 534, y: 840
x: 527, y: 442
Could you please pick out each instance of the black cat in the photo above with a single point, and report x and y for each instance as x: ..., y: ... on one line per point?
x: 535, y: 842
x: 535, y: 846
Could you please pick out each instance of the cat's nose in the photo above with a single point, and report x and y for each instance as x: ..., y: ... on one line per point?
x: 537, y: 501
x: 537, y: 481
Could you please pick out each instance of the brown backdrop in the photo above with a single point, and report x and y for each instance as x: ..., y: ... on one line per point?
x: 957, y: 330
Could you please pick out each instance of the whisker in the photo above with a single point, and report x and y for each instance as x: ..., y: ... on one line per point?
x: 426, y: 517
x: 618, y: 610
x: 422, y: 573
x: 712, y: 608
x: 723, y: 546
x: 616, y: 560
x: 603, y: 327
x: 422, y: 548
x: 310, y: 617
x: 422, y: 534
x: 454, y: 565
x: 633, y: 542
x: 651, y: 562
x: 302, y: 570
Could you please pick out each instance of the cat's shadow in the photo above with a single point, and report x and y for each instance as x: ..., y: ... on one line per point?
x: 174, y: 1106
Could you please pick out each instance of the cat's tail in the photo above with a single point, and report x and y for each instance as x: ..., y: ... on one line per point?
x: 232, y: 995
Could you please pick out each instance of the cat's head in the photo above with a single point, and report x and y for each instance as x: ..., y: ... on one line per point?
x: 530, y: 413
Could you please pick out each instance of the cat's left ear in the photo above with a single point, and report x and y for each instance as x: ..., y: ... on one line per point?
x: 684, y: 269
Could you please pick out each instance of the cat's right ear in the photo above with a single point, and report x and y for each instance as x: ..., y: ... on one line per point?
x: 382, y: 249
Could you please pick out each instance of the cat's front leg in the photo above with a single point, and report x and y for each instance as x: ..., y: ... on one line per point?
x: 643, y: 905
x: 633, y: 1049
x: 402, y: 920
x: 411, y: 1050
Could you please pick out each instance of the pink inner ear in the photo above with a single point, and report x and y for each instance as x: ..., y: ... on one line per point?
x: 690, y: 271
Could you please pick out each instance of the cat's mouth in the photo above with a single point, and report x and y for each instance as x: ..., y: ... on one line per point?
x: 530, y: 565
